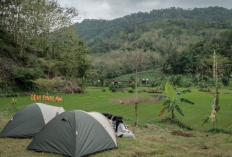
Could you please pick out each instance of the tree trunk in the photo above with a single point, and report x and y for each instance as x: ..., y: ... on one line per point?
x: 173, y: 116
x: 136, y: 114
x: 21, y: 52
x: 136, y: 92
x: 136, y: 97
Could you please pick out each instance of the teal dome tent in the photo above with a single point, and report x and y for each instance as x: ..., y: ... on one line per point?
x: 27, y: 122
x: 75, y: 133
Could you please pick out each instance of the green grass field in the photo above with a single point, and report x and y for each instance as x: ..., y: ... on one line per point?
x: 152, y: 75
x: 155, y: 140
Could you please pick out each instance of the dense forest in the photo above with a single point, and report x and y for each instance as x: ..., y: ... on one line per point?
x: 180, y: 41
x: 39, y: 48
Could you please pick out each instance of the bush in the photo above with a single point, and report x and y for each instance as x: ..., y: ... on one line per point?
x: 116, y: 87
x: 155, y: 84
x: 103, y: 90
x: 203, y: 84
x: 3, y: 84
x: 205, y: 90
x: 187, y: 84
x: 177, y: 80
x: 131, y: 91
x: 132, y: 85
x: 225, y: 81
x: 162, y: 86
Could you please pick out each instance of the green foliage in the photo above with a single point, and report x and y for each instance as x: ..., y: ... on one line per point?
x: 180, y: 124
x: 31, y: 49
x: 155, y: 84
x: 117, y: 87
x: 187, y: 84
x: 49, y: 84
x: 183, y: 92
x: 14, y: 102
x: 103, y: 35
x: 25, y: 73
x: 3, y: 85
x: 205, y: 120
x: 171, y: 102
x: 225, y: 81
x: 186, y: 101
x: 102, y: 80
x: 177, y: 80
x: 131, y: 91
x: 218, y: 130
x: 170, y: 92
x: 191, y: 33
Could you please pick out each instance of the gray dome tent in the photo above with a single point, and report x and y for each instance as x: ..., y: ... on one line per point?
x: 27, y: 122
x: 75, y: 133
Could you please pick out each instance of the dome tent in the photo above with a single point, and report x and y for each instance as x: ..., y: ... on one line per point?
x: 27, y: 122
x: 75, y: 133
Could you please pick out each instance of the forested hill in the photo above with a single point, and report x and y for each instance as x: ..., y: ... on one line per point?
x: 142, y: 30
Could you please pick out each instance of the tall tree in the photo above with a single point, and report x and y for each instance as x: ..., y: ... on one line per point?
x: 27, y: 20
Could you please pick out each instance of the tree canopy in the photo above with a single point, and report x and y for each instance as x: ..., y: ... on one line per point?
x: 38, y: 40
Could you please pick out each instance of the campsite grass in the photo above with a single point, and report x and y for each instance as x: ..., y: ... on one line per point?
x: 153, y: 138
x: 151, y: 75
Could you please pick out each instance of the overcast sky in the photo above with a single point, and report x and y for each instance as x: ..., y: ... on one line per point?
x: 111, y: 9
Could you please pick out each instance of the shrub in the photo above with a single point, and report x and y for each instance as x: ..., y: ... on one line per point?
x: 177, y: 80
x: 132, y: 85
x: 116, y: 87
x: 162, y: 86
x: 205, y: 90
x: 225, y: 81
x: 131, y: 91
x: 187, y: 84
x: 155, y: 84
x: 3, y: 84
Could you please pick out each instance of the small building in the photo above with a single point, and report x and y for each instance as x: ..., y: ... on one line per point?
x: 144, y: 81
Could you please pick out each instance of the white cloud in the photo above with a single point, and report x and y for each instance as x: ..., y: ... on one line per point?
x: 111, y: 9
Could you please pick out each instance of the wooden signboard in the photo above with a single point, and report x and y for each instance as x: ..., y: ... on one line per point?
x: 46, y: 98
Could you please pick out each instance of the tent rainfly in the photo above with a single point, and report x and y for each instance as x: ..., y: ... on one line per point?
x: 75, y: 133
x: 27, y: 122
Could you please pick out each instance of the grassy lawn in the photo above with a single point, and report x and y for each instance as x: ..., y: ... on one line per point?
x: 152, y: 75
x: 153, y: 138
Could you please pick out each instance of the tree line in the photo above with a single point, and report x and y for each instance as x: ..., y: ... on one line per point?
x: 182, y: 41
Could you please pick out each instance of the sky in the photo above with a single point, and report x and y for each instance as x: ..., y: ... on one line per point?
x: 111, y: 9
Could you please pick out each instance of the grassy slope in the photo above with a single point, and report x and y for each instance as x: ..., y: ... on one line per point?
x: 152, y: 75
x: 153, y: 141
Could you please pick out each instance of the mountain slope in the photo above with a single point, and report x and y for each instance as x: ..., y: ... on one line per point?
x: 132, y: 31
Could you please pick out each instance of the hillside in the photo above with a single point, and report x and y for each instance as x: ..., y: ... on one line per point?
x: 33, y: 49
x: 179, y: 41
x: 151, y: 30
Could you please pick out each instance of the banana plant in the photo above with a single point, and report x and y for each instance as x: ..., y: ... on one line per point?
x: 172, y: 99
x: 14, y: 102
